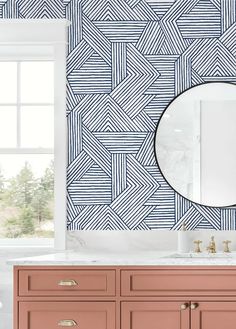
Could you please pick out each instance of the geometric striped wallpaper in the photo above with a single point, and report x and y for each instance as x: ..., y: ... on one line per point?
x: 127, y: 59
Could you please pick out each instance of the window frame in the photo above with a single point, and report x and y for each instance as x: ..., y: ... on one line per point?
x: 18, y: 104
x: 52, y: 33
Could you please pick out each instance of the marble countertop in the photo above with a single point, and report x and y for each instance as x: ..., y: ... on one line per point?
x: 145, y: 258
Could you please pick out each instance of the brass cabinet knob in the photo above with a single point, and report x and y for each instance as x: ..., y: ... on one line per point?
x: 67, y: 283
x: 193, y: 306
x: 184, y: 306
x: 67, y: 323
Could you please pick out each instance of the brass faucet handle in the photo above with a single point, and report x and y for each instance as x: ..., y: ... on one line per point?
x: 226, y: 245
x: 197, y: 245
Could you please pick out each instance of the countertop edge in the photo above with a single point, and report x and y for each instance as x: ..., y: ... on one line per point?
x: 118, y: 260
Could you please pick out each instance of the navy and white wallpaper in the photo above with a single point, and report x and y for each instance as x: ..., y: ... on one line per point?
x: 127, y: 59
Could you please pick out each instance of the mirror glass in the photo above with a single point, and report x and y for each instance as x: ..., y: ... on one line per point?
x: 195, y: 144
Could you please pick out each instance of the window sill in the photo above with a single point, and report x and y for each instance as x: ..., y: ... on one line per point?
x: 27, y: 242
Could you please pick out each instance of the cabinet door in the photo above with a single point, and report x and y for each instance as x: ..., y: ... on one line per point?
x: 154, y: 315
x: 214, y: 315
x: 54, y: 315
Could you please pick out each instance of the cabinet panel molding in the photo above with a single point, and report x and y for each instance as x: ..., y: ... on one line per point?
x: 67, y: 282
x: 154, y: 315
x: 215, y: 315
x: 177, y: 282
x: 82, y: 315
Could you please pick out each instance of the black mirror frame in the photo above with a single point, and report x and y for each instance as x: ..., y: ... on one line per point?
x: 154, y: 143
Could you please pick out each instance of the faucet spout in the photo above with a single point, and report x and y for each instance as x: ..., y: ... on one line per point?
x: 212, y: 246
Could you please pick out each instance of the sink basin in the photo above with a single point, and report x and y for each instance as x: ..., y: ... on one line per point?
x: 201, y: 255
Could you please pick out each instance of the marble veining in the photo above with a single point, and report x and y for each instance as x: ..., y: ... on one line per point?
x: 151, y: 258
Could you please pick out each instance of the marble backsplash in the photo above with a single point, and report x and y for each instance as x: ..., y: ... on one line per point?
x: 135, y: 241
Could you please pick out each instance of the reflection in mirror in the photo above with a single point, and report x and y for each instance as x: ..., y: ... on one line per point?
x: 195, y: 144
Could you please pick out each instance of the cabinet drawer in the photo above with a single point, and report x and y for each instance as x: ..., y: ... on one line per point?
x: 55, y: 315
x: 178, y: 282
x: 66, y: 282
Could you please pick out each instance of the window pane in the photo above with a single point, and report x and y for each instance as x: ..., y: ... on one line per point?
x: 37, y: 126
x: 8, y: 82
x: 8, y: 126
x: 37, y: 82
x: 26, y: 196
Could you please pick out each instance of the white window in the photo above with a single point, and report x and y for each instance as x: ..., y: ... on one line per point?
x: 32, y: 132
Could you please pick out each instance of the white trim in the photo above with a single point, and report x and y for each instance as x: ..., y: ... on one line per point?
x: 46, y: 32
x: 53, y: 21
x: 24, y: 31
x: 32, y: 242
x: 60, y: 147
x: 26, y: 104
x: 20, y: 52
x: 18, y: 106
x: 26, y: 150
x: 30, y: 43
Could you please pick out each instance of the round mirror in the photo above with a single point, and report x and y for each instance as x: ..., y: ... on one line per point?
x: 195, y: 144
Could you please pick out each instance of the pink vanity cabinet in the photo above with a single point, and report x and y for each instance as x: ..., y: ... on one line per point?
x: 124, y: 297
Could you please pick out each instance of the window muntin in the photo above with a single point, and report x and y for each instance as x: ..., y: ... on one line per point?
x: 26, y: 149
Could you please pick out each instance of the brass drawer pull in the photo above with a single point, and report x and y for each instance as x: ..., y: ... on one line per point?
x: 67, y: 323
x: 67, y: 283
x: 184, y: 306
x: 193, y: 306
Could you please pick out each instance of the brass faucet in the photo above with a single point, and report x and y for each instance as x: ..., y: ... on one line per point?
x: 212, y: 246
